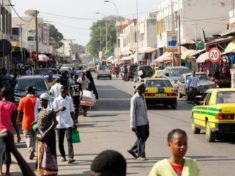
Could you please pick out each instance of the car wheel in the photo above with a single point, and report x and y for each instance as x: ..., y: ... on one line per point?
x: 174, y: 106
x: 110, y: 77
x: 210, y: 135
x: 195, y: 129
x: 98, y: 78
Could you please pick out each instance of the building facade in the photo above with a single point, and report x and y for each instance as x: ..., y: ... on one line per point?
x: 25, y: 35
x: 5, y: 30
x: 189, y: 20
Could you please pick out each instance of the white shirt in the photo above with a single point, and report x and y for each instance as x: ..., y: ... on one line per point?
x: 85, y: 83
x: 55, y: 90
x: 138, y: 111
x: 37, y: 107
x: 64, y: 117
x: 193, y: 81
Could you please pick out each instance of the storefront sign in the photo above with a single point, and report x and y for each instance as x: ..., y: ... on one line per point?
x: 214, y: 55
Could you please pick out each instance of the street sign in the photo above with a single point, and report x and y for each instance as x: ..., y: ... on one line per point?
x: 214, y: 55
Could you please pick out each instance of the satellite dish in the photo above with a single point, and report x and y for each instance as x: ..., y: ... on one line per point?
x: 5, y: 47
x: 31, y: 12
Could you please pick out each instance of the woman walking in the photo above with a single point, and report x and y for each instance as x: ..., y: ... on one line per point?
x: 47, y: 159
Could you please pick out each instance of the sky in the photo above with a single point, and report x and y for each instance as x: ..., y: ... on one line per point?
x: 83, y: 13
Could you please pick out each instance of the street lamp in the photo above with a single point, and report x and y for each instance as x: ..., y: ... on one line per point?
x: 107, y: 1
x: 106, y: 31
x: 34, y: 13
x: 137, y: 38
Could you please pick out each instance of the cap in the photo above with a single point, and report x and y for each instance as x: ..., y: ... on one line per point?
x: 45, y: 96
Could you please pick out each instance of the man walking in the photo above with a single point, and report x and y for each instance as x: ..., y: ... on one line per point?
x: 139, y: 122
x: 55, y: 89
x: 28, y: 109
x: 8, y: 112
x: 193, y: 85
x: 66, y: 122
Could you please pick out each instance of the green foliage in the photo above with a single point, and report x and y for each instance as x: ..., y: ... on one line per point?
x: 98, y: 36
x: 56, y: 35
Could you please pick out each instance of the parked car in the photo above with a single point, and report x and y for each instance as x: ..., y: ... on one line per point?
x: 204, y: 83
x: 215, y: 113
x: 143, y: 71
x: 174, y: 73
x: 38, y: 82
x: 160, y: 91
x: 104, y: 71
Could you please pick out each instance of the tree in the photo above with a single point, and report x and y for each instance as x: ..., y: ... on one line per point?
x: 56, y: 35
x: 76, y: 48
x: 98, y: 36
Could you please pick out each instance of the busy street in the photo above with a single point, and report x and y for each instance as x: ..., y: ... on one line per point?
x: 117, y: 88
x: 107, y: 127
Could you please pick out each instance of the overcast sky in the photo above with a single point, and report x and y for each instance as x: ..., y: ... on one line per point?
x: 75, y: 28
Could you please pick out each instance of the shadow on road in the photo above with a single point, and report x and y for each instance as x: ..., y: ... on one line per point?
x: 112, y: 99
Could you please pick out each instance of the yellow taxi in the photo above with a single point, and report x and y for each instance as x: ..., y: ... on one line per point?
x: 160, y: 91
x: 215, y: 113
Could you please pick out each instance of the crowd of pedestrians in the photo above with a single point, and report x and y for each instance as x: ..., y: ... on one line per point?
x: 59, y: 115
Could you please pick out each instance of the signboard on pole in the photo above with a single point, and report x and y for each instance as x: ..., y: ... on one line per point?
x: 214, y: 55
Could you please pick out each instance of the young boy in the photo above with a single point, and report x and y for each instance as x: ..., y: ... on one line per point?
x: 176, y: 164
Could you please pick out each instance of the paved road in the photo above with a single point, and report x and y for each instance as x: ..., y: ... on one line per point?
x: 107, y: 127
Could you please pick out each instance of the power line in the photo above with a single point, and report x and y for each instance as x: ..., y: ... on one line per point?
x: 71, y: 17
x: 22, y: 19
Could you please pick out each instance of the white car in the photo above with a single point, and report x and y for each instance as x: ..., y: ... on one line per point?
x: 104, y: 71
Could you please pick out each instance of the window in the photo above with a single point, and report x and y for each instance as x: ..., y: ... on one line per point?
x: 207, y: 99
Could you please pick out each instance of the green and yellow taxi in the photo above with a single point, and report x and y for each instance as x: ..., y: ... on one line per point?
x: 160, y: 91
x: 215, y: 113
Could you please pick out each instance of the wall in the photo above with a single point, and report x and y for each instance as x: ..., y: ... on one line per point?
x: 210, y: 15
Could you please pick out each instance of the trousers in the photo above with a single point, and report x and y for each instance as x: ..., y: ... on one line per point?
x: 142, y: 134
x: 61, y: 134
x: 30, y: 139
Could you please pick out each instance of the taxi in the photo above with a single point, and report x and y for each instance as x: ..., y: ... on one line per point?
x: 215, y: 113
x: 160, y: 91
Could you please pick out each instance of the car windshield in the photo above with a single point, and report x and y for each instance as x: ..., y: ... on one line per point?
x: 158, y: 83
x: 202, y: 76
x: 104, y: 67
x: 178, y: 71
x: 38, y: 84
x: 225, y: 97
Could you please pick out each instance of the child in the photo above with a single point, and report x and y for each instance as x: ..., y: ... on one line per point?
x: 176, y: 164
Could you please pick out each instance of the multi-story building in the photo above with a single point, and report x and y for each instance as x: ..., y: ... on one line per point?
x: 192, y: 18
x: 5, y: 27
x: 27, y: 33
x: 66, y: 51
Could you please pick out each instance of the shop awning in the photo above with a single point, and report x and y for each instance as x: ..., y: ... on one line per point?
x: 43, y: 58
x: 187, y: 54
x: 228, y: 32
x: 166, y: 57
x: 203, y: 58
x: 219, y: 41
x: 197, y: 52
x: 127, y: 58
x: 230, y: 48
x: 146, y: 49
x: 110, y: 58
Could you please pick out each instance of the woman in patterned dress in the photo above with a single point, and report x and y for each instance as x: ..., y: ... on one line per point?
x: 47, y: 159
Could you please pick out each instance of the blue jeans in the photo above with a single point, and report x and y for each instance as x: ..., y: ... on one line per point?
x: 142, y: 134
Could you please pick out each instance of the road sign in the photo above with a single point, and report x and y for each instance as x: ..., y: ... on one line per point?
x: 214, y: 55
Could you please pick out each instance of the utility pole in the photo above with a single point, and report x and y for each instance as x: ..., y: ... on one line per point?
x: 179, y: 37
x: 3, y: 31
x: 36, y: 39
x: 137, y: 30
